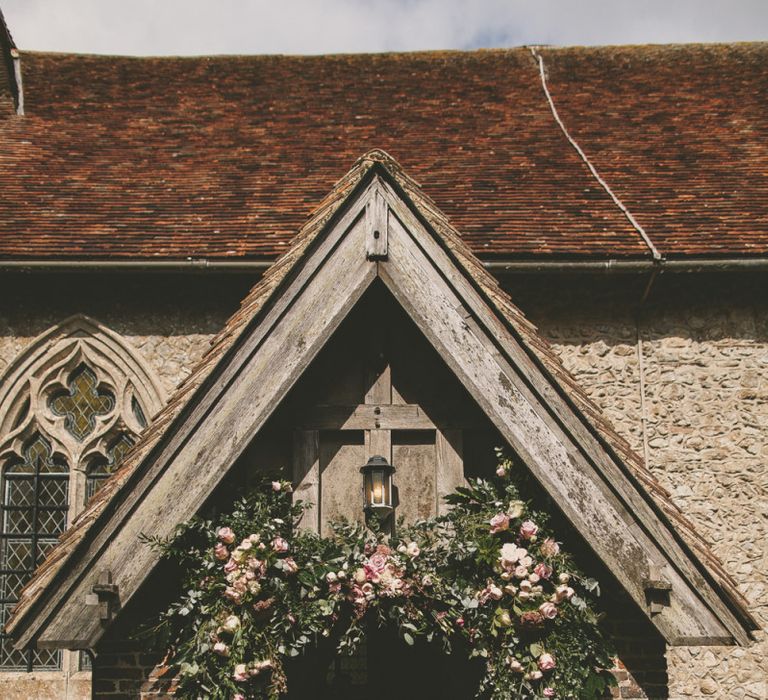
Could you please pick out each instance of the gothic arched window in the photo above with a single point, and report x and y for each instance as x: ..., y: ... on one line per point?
x: 71, y: 406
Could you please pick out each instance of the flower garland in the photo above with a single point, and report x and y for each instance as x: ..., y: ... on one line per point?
x: 487, y: 577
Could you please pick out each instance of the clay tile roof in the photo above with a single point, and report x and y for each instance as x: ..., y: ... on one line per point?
x: 90, y: 519
x: 223, y: 157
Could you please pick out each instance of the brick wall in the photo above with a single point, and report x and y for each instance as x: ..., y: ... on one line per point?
x: 124, y: 671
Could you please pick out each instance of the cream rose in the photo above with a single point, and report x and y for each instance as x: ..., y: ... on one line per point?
x: 515, y: 509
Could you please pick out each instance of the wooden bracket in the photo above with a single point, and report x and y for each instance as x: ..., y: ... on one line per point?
x: 377, y: 227
x: 657, y: 590
x: 105, y: 595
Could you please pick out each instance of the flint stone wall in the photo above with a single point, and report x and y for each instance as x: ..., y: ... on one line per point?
x: 684, y: 377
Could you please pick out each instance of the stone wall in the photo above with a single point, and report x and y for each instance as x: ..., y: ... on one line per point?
x: 684, y: 377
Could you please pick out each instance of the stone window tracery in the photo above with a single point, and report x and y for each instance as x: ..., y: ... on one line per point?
x: 71, y: 406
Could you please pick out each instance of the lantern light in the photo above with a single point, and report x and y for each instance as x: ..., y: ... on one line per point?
x: 377, y: 485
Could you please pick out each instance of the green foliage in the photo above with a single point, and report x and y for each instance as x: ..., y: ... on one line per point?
x: 486, y: 579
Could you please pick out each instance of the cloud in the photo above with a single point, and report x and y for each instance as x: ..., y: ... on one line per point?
x: 188, y: 27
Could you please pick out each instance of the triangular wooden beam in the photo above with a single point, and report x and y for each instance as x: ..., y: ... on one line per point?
x: 283, y: 325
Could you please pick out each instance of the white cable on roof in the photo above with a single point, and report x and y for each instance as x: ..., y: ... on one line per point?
x: 635, y: 224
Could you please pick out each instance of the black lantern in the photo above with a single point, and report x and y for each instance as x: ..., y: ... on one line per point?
x: 377, y: 486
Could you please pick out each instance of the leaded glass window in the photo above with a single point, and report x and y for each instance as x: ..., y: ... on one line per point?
x: 34, y: 513
x: 101, y: 468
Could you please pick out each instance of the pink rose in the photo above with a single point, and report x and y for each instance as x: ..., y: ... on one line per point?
x: 221, y: 552
x: 377, y: 562
x: 257, y: 566
x: 501, y: 472
x: 290, y: 566
x: 226, y: 535
x: 564, y: 592
x: 221, y: 649
x: 233, y: 594
x: 276, y: 486
x: 543, y: 570
x: 412, y: 550
x: 548, y: 692
x: 528, y: 529
x: 230, y: 566
x: 548, y: 610
x: 549, y: 548
x: 279, y: 545
x: 499, y: 523
x: 546, y: 662
x: 238, y: 696
x: 240, y: 673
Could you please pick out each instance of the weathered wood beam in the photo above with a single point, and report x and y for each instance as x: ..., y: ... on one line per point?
x: 449, y: 451
x: 366, y: 417
x: 215, y: 433
x: 453, y: 327
x: 306, y: 476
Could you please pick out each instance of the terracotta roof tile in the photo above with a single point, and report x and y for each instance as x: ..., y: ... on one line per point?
x: 680, y: 133
x: 223, y: 157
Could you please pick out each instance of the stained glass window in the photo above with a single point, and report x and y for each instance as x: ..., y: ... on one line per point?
x: 35, y: 498
x: 84, y: 401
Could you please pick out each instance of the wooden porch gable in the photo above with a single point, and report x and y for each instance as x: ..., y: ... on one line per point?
x: 378, y: 231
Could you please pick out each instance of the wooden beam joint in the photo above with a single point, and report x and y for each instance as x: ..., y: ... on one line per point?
x: 657, y: 591
x: 105, y: 596
x: 377, y: 230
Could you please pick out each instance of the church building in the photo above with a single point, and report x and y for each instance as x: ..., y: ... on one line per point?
x: 217, y: 267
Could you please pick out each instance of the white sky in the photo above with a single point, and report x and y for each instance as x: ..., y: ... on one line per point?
x: 188, y: 27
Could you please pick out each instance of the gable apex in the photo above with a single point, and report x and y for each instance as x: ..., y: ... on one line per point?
x: 497, y: 355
